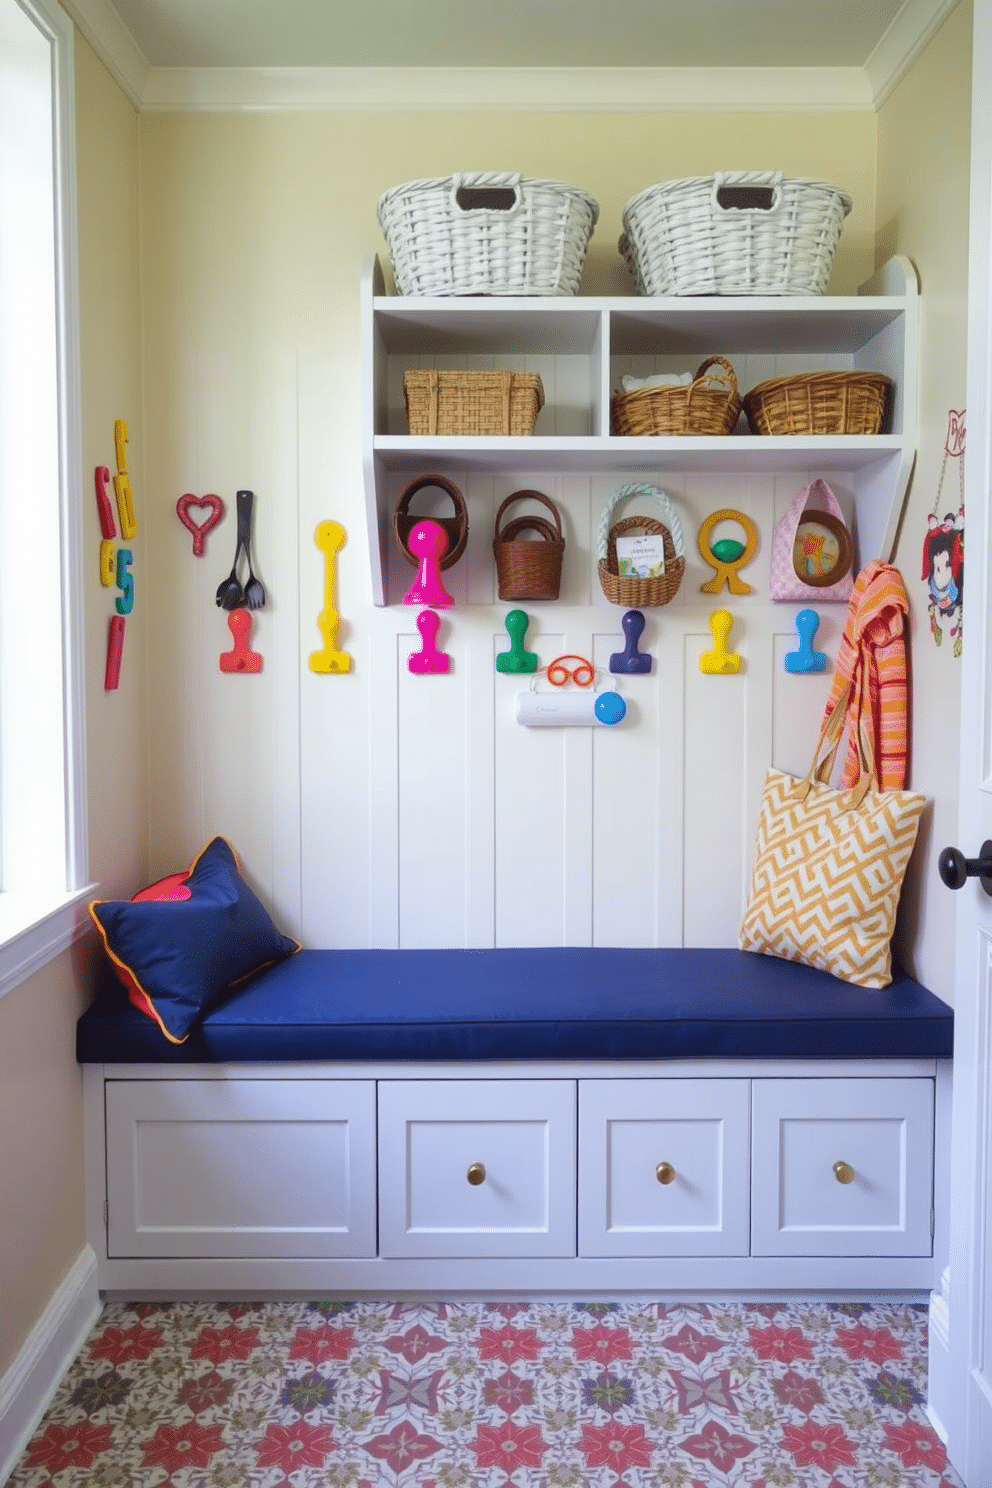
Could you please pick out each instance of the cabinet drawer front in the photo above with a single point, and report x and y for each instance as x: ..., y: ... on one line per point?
x: 241, y: 1168
x: 663, y: 1167
x: 842, y: 1167
x: 477, y: 1168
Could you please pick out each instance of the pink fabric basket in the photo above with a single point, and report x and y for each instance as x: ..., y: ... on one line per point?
x: 784, y: 583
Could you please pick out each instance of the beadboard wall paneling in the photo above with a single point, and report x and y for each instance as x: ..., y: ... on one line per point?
x: 373, y: 807
x: 381, y: 807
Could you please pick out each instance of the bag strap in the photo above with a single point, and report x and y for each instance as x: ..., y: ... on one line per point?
x: 831, y: 733
x: 787, y: 525
x: 831, y: 504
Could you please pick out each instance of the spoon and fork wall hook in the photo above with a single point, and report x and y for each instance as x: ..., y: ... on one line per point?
x: 231, y: 594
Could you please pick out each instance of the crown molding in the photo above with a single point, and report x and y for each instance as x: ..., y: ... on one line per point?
x: 100, y: 24
x: 910, y: 32
x: 502, y: 90
x: 528, y: 89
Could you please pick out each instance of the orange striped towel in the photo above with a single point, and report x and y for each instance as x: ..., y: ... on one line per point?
x: 872, y: 661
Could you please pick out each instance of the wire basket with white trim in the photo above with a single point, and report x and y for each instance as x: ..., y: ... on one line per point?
x: 487, y: 233
x: 734, y: 233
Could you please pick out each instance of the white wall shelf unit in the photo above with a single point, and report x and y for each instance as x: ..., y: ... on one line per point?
x: 581, y: 347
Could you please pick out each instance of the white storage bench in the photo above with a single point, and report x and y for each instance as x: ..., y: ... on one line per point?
x: 522, y: 1121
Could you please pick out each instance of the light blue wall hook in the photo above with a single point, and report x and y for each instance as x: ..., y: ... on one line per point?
x: 806, y: 659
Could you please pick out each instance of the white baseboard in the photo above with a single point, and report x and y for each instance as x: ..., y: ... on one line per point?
x: 26, y: 1389
x: 939, y: 1391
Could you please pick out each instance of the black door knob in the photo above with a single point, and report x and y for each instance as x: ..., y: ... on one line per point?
x: 955, y: 869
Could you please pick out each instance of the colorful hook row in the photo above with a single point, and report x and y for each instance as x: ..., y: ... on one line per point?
x: 721, y: 661
x: 330, y: 537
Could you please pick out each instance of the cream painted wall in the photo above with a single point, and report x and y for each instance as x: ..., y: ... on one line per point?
x: 42, y: 1227
x: 110, y: 313
x: 41, y: 1158
x: 923, y: 163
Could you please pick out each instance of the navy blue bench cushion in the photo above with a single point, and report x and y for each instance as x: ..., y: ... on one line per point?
x: 549, y: 1003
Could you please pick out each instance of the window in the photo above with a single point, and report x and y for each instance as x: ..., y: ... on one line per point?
x: 43, y: 867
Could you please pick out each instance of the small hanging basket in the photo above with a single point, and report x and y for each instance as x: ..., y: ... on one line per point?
x: 528, y: 567
x: 710, y: 404
x: 455, y: 526
x: 626, y: 589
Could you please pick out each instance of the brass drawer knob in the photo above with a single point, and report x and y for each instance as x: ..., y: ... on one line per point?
x: 843, y: 1172
x: 665, y: 1173
x: 476, y: 1174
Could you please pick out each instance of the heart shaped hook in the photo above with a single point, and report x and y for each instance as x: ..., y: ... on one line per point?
x: 215, y: 509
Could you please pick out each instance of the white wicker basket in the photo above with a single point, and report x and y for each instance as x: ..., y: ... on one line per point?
x: 734, y: 233
x: 487, y: 233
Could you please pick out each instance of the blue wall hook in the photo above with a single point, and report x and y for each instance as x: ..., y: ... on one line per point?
x: 631, y: 662
x: 806, y: 659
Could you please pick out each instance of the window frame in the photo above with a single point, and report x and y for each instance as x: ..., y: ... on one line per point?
x: 36, y: 927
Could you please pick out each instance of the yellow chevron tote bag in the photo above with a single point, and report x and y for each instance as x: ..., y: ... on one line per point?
x: 829, y: 865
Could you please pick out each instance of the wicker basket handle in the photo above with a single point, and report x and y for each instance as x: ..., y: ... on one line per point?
x: 456, y: 526
x: 723, y: 381
x: 426, y: 482
x: 669, y: 515
x: 757, y: 192
x: 516, y: 529
x: 494, y: 192
x: 520, y: 496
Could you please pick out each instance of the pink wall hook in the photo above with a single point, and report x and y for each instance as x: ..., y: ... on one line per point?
x: 428, y: 542
x: 429, y: 659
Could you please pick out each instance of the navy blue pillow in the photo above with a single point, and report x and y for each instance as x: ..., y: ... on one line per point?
x: 179, y: 946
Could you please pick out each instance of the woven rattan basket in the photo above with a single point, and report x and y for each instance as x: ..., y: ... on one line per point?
x: 491, y: 232
x: 710, y: 404
x: 623, y: 588
x: 528, y: 567
x: 819, y: 403
x: 456, y: 527
x: 472, y: 402
x: 734, y: 233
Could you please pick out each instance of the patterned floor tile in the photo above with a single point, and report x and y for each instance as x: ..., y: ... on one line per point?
x: 488, y: 1394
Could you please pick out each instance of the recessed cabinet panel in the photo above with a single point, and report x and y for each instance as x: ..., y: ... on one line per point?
x: 842, y: 1167
x: 241, y: 1168
x: 477, y: 1168
x: 663, y: 1167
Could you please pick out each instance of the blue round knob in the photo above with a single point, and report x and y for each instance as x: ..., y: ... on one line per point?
x: 610, y: 707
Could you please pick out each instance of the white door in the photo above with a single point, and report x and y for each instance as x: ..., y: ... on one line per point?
x: 970, y: 1292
